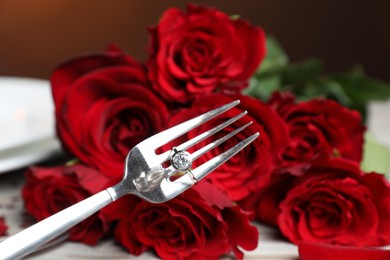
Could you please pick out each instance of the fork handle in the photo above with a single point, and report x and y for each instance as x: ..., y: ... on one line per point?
x: 28, y: 240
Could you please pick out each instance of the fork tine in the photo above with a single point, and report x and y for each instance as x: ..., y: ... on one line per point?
x: 188, y: 144
x: 178, y: 130
x: 195, y: 155
x: 174, y: 188
x: 201, y: 171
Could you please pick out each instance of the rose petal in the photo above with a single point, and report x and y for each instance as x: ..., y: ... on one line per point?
x: 329, y: 252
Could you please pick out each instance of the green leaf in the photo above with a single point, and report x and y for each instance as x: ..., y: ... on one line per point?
x: 262, y: 89
x: 71, y: 162
x: 361, y: 89
x: 302, y: 71
x: 375, y: 156
x: 324, y: 87
x: 235, y: 16
x: 275, y: 58
x: 306, y: 79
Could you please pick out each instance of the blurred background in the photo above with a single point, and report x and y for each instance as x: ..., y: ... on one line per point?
x: 35, y: 35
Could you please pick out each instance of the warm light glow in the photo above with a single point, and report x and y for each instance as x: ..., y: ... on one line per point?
x: 20, y: 114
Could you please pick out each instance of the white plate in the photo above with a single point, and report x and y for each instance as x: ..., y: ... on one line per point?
x: 27, y: 132
x: 378, y: 120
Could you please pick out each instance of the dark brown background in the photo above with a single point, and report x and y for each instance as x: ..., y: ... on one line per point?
x: 35, y: 35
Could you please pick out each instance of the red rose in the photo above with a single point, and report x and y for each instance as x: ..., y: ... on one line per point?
x: 50, y: 190
x: 335, y: 203
x: 189, y: 226
x: 266, y: 202
x: 310, y: 251
x: 3, y: 227
x: 318, y: 128
x: 104, y: 107
x: 282, y: 102
x: 247, y: 171
x: 196, y: 52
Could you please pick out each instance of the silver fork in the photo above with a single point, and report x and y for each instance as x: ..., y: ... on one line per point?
x: 144, y: 176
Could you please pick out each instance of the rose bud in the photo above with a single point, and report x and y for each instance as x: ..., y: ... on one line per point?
x: 104, y: 107
x: 50, y: 190
x: 318, y: 128
x: 201, y: 223
x: 198, y: 51
x: 336, y: 203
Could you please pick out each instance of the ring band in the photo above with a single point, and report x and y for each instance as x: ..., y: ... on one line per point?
x: 193, y: 178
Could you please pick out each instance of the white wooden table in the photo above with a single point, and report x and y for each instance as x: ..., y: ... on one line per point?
x: 11, y: 207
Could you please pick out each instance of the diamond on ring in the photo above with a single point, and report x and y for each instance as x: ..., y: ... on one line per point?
x: 181, y: 160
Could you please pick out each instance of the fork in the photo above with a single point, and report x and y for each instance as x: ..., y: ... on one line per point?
x: 144, y: 176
